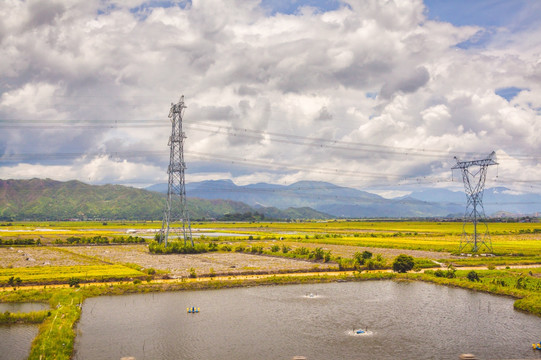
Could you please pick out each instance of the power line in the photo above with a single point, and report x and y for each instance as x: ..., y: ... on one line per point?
x: 254, y: 134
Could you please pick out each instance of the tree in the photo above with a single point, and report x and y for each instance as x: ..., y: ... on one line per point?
x: 403, y: 263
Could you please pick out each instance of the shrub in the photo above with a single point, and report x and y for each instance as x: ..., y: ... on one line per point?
x: 14, y: 281
x: 473, y: 276
x: 358, y: 258
x: 302, y: 251
x: 74, y: 282
x: 226, y: 247
x: 375, y: 264
x: 285, y: 249
x: 403, y: 263
x: 193, y: 274
x: 275, y: 248
x: 239, y: 248
x: 327, y: 256
x: 257, y: 249
x: 366, y: 255
x: 318, y: 253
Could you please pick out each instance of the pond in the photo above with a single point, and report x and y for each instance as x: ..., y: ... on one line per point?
x: 15, y: 341
x: 23, y: 307
x: 407, y: 320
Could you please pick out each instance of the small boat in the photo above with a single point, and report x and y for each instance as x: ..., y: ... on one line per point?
x: 359, y: 331
x: 192, y: 310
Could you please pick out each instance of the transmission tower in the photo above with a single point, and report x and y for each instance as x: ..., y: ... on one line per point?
x: 175, y: 209
x: 474, y: 174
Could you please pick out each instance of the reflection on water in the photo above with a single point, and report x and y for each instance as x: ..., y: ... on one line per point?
x: 404, y: 321
x: 15, y: 341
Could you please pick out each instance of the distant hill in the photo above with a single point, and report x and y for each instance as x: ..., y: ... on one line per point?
x: 328, y: 198
x: 496, y: 201
x: 352, y: 203
x: 39, y: 199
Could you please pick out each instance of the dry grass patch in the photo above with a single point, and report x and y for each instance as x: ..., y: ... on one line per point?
x: 20, y: 257
x: 179, y: 265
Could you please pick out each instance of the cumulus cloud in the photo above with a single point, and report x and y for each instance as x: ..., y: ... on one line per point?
x: 364, y: 94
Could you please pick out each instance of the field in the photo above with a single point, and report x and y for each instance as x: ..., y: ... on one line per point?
x: 62, y: 249
x: 113, y: 258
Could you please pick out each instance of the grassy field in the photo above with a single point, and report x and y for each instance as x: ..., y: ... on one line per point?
x: 255, y: 248
x: 515, y: 241
x: 58, y: 274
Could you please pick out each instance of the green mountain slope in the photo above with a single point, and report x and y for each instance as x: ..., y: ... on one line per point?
x: 39, y: 199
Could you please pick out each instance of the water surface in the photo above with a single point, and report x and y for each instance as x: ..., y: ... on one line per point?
x: 15, y: 341
x: 404, y: 320
x: 22, y: 307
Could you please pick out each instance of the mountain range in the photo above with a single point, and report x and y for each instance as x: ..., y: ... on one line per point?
x: 340, y: 202
x: 352, y: 203
x: 46, y: 199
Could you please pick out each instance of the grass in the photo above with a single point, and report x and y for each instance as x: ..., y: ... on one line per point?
x: 57, y: 274
x: 519, y: 284
x: 33, y: 317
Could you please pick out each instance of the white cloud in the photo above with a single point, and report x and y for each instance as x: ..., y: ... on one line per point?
x: 309, y: 76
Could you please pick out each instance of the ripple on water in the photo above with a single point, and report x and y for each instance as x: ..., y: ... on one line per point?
x: 15, y: 341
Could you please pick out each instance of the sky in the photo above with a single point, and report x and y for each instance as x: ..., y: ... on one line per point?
x: 383, y: 95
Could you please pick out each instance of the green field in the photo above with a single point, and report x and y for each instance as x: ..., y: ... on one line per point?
x: 55, y: 274
x: 513, y: 243
x: 516, y: 240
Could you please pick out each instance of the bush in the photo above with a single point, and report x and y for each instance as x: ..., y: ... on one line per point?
x: 366, y: 255
x: 193, y: 275
x: 285, y: 249
x: 302, y: 251
x: 176, y: 247
x: 239, y: 248
x: 275, y: 248
x: 473, y: 276
x: 327, y: 256
x: 14, y: 281
x: 226, y: 247
x: 403, y: 263
x: 74, y: 282
x: 257, y: 249
x: 375, y: 264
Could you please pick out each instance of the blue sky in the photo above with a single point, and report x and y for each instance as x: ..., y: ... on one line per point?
x: 513, y: 14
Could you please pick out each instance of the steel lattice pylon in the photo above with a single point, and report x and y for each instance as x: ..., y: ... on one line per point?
x: 175, y: 209
x: 474, y: 186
